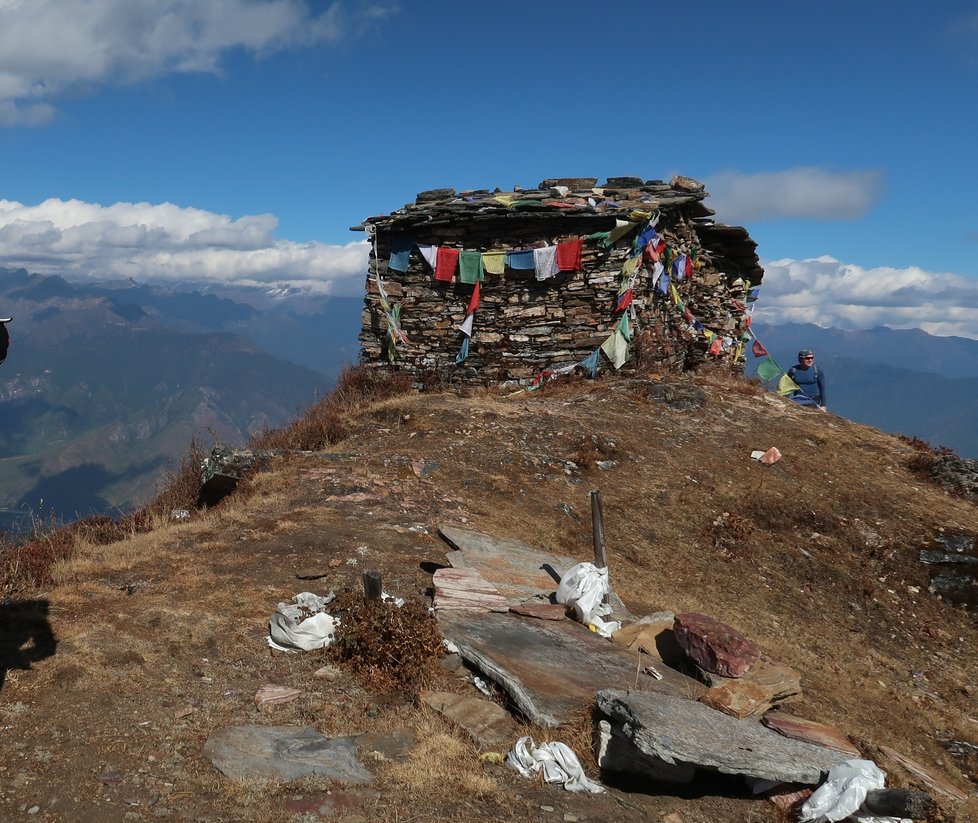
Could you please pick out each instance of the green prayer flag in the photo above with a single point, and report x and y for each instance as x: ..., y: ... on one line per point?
x: 470, y: 267
x: 767, y: 369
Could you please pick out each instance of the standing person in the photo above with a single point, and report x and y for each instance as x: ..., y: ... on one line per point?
x: 809, y: 378
x: 4, y: 337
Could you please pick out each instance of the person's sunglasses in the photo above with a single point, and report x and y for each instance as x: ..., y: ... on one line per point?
x: 808, y: 358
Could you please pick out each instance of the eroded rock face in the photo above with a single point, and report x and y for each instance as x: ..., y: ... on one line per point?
x: 715, y: 646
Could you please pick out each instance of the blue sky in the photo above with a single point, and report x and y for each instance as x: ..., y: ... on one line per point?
x: 236, y: 141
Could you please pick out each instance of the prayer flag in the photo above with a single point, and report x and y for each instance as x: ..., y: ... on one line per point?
x: 463, y: 352
x: 493, y: 262
x: 470, y: 267
x: 624, y: 329
x: 664, y: 283
x: 625, y: 300
x: 430, y: 254
x: 716, y: 346
x: 689, y: 265
x: 679, y: 267
x: 545, y: 262
x: 466, y: 327
x: 569, y: 255
x: 447, y: 262
x: 768, y: 369
x: 400, y: 254
x: 475, y: 299
x: 591, y: 362
x: 616, y: 349
x: 688, y: 316
x: 676, y: 299
x: 622, y: 227
x: 520, y: 260
x: 786, y: 385
x: 758, y: 349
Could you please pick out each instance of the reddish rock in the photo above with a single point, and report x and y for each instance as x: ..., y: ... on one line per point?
x: 541, y: 611
x: 715, y: 646
x: 811, y: 732
x: 738, y: 698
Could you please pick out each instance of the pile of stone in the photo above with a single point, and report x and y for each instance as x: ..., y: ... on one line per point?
x: 524, y: 326
x: 679, y: 695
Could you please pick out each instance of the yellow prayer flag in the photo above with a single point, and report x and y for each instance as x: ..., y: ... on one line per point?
x: 638, y: 214
x: 504, y: 199
x: 786, y: 385
x: 675, y: 294
x: 628, y: 269
x: 494, y: 262
x: 622, y: 227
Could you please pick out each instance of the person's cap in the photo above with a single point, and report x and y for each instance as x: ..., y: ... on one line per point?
x: 805, y: 353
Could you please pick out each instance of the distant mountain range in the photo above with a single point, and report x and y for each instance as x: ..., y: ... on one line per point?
x: 105, y: 385
x: 901, y: 381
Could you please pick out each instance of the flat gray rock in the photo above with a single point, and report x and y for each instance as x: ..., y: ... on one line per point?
x: 517, y: 571
x: 284, y: 753
x: 550, y: 669
x: 684, y: 732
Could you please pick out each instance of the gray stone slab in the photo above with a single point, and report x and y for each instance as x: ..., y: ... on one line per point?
x: 284, y: 753
x: 518, y: 571
x: 550, y: 669
x: 685, y: 732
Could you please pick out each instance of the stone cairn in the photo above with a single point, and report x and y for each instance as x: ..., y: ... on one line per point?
x: 524, y: 326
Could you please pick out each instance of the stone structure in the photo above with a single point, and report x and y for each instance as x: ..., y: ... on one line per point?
x: 525, y: 324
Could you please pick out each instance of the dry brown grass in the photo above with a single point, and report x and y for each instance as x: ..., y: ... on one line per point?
x: 443, y: 765
x: 326, y: 422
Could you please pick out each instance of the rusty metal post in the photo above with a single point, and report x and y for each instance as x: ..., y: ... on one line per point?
x: 372, y: 586
x: 597, y: 531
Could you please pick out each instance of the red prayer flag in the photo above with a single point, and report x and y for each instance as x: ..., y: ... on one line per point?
x: 474, y: 300
x: 625, y: 300
x: 716, y: 346
x: 447, y: 261
x: 569, y: 254
x: 758, y: 350
x: 689, y: 265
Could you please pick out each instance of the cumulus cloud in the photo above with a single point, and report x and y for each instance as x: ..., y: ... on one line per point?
x: 829, y: 293
x: 804, y: 192
x: 49, y: 47
x: 166, y: 243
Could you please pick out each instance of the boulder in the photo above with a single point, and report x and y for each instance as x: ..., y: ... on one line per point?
x: 715, y: 646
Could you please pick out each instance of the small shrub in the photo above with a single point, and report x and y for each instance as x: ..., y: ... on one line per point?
x: 391, y: 648
x: 730, y: 532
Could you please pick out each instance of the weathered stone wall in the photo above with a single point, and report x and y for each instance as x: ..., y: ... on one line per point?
x: 524, y: 326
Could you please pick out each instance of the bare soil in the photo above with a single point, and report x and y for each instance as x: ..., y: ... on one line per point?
x: 159, y: 640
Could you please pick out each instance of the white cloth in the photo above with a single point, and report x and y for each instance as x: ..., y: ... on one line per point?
x: 558, y: 762
x: 545, y: 262
x: 844, y: 792
x: 616, y: 348
x: 466, y: 327
x: 584, y: 587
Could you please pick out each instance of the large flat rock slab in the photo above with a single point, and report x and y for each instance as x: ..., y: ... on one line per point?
x: 516, y: 570
x: 550, y: 669
x: 284, y: 753
x: 682, y: 731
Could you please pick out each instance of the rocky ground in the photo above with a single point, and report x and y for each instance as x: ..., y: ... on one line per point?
x: 143, y: 649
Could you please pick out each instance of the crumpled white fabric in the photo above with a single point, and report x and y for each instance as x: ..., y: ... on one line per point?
x: 584, y: 587
x: 844, y: 792
x: 558, y: 762
x: 303, y: 624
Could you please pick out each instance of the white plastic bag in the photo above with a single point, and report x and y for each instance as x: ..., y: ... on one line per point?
x: 844, y: 792
x: 558, y: 762
x: 302, y: 625
x: 584, y: 587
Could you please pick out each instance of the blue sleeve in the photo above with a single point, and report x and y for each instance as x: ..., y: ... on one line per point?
x: 821, y: 385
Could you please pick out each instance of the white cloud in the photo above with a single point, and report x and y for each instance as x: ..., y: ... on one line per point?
x: 168, y: 243
x: 799, y: 192
x: 829, y: 293
x: 49, y: 47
